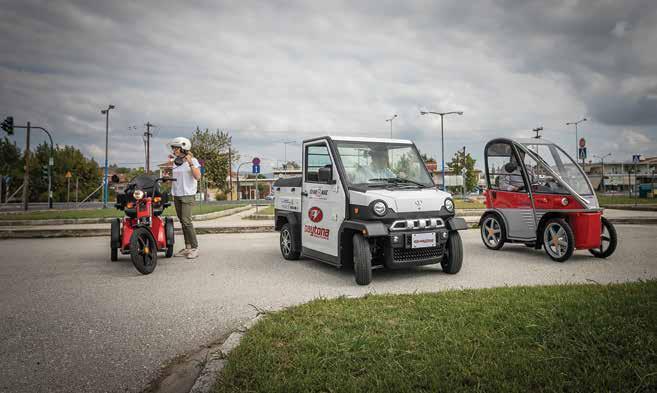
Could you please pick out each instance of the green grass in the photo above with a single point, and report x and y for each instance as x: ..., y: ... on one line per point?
x: 525, y: 339
x: 266, y: 210
x: 624, y: 200
x: 461, y: 204
x: 104, y: 213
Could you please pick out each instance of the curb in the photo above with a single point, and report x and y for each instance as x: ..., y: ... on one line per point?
x: 216, y: 360
x: 638, y: 207
x: 74, y: 221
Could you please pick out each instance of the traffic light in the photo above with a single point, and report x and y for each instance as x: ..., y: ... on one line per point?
x: 8, y: 125
x: 44, y: 172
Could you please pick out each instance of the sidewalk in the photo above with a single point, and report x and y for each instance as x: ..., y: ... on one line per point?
x: 236, y: 224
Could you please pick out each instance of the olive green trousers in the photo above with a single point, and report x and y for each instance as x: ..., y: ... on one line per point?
x: 184, y: 205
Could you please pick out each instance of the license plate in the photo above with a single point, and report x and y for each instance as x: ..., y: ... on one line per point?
x: 421, y: 240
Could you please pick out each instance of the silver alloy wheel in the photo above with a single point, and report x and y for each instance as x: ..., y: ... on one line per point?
x: 605, y: 239
x: 491, y: 231
x: 555, y: 240
x: 286, y: 243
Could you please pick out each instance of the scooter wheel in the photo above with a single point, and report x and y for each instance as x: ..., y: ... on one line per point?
x: 143, y: 250
x: 608, y: 240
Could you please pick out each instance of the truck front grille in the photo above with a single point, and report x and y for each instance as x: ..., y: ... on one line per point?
x: 416, y: 254
x: 420, y: 223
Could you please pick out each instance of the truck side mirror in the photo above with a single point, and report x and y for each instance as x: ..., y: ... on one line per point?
x: 325, y: 174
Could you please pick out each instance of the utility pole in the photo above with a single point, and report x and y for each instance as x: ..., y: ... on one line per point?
x: 105, y: 180
x: 230, y: 172
x: 464, y: 171
x: 148, y: 135
x: 442, y: 138
x: 26, y: 173
x: 537, y: 130
x: 390, y: 120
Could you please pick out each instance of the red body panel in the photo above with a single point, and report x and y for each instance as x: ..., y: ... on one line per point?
x: 554, y: 202
x: 144, y: 209
x: 507, y: 200
x: 586, y: 228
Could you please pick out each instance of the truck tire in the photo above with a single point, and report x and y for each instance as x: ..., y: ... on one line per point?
x: 362, y: 260
x: 289, y: 248
x: 558, y: 239
x: 169, y: 234
x: 115, y: 239
x: 453, y: 256
x: 611, y: 237
x: 143, y: 250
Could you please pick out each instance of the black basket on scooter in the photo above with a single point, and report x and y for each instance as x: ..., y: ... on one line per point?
x: 151, y: 187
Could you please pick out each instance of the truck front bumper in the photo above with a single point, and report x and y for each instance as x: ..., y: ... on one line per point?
x: 404, y: 250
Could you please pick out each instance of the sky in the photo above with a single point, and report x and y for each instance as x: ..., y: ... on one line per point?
x: 278, y: 71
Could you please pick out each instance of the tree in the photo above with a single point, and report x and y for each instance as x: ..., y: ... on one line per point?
x: 291, y: 165
x: 427, y: 159
x: 456, y: 166
x: 11, y: 163
x: 212, y: 147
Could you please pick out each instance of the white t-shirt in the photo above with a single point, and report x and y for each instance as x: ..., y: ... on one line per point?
x: 185, y: 183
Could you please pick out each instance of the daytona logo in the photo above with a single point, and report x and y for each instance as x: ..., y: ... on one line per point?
x: 315, y: 214
x: 315, y: 231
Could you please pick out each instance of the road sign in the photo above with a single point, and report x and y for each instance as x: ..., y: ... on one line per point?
x: 68, y: 175
x: 582, y: 142
x: 636, y: 158
x: 582, y: 152
x: 255, y: 161
x: 255, y: 169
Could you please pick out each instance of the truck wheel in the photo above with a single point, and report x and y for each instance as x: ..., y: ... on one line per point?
x: 168, y: 232
x: 492, y: 231
x: 608, y: 240
x: 115, y: 239
x: 143, y: 250
x: 558, y: 239
x: 289, y: 248
x: 362, y: 260
x: 453, y: 256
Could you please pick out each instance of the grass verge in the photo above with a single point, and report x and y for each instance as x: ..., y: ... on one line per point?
x: 104, y: 213
x: 625, y: 200
x: 556, y: 338
x: 461, y: 204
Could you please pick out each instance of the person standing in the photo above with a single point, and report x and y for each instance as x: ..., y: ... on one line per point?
x: 186, y: 171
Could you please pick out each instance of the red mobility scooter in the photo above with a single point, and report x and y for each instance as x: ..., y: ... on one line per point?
x: 143, y: 233
x: 538, y: 195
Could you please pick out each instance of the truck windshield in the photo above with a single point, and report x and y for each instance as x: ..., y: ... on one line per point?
x: 378, y: 163
x: 556, y: 159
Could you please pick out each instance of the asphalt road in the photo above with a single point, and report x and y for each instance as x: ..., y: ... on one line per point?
x: 73, y: 321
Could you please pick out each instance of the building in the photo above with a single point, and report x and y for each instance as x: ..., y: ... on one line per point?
x: 621, y: 176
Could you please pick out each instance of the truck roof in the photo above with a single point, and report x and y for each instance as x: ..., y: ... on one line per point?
x: 364, y: 139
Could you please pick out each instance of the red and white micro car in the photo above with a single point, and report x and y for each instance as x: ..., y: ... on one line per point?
x: 538, y: 195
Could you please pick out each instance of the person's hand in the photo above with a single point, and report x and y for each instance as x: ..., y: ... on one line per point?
x: 171, y: 157
x: 189, y: 157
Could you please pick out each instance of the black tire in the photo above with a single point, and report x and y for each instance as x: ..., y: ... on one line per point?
x: 362, y: 260
x: 115, y: 239
x: 168, y: 232
x: 611, y: 238
x: 490, y: 223
x: 558, y: 239
x: 288, y: 244
x: 453, y: 256
x: 144, y: 259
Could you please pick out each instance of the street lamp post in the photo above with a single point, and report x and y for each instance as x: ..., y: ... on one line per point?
x: 390, y: 120
x: 442, y: 138
x: 105, y: 185
x: 239, y: 193
x: 602, y: 179
x: 576, y: 137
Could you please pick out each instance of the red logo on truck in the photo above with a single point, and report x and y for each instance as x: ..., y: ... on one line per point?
x: 315, y: 214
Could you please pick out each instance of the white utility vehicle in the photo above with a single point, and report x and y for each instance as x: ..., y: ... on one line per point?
x: 367, y: 202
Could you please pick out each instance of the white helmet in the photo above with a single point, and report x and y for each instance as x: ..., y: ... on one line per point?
x: 180, y: 142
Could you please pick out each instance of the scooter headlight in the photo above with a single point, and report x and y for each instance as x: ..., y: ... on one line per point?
x: 449, y: 205
x: 138, y: 194
x: 380, y: 208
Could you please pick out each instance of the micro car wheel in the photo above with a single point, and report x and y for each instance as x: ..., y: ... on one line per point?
x: 453, y: 256
x: 289, y: 248
x: 493, y: 232
x: 143, y: 250
x: 608, y: 240
x: 362, y: 260
x: 558, y: 239
x: 115, y: 240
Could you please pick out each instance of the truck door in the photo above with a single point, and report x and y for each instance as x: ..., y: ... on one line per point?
x: 508, y: 191
x: 322, y: 202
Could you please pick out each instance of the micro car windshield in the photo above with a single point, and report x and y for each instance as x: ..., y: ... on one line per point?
x: 376, y: 164
x: 558, y: 161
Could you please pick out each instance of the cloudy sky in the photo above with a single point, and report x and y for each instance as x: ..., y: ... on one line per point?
x: 279, y: 71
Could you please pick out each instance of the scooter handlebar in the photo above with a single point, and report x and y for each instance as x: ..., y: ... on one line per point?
x: 166, y: 179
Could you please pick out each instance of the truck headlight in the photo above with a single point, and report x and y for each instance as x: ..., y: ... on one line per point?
x: 379, y: 208
x: 449, y: 205
x: 138, y: 194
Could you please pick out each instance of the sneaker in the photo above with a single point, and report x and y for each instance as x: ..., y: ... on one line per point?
x: 183, y: 252
x: 193, y: 253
